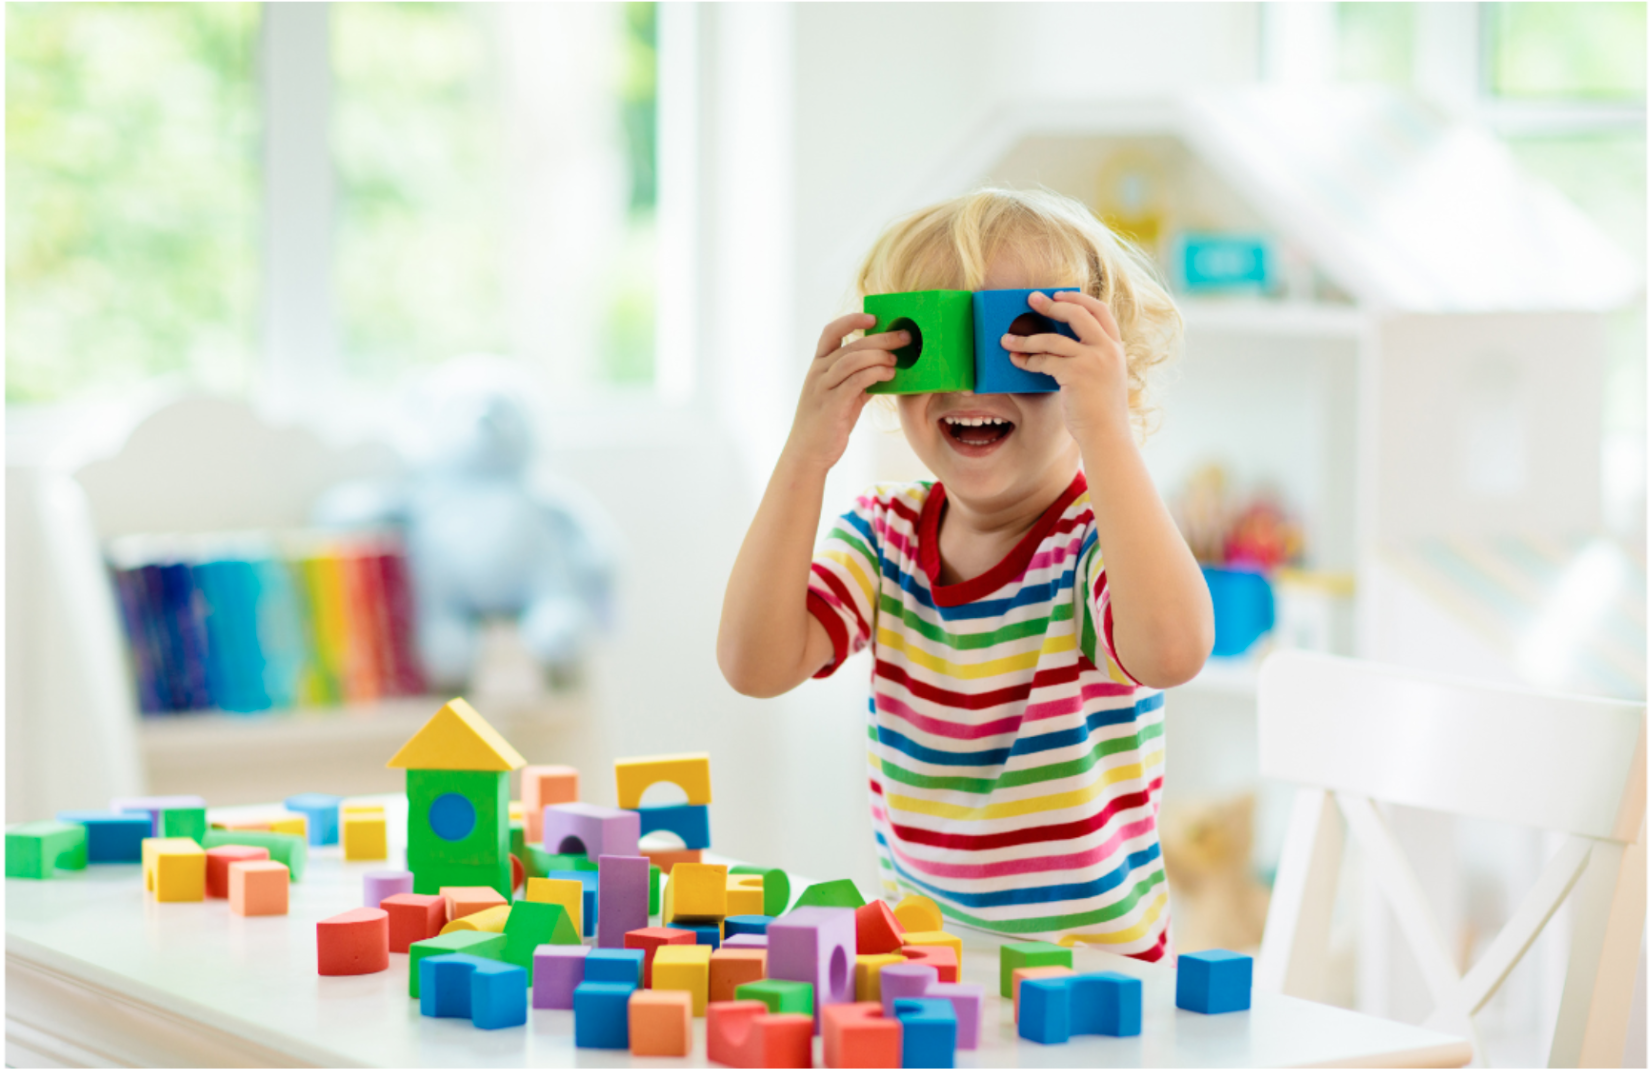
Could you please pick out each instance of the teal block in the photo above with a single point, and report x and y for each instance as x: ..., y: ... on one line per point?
x: 35, y: 850
x: 283, y: 847
x: 940, y: 356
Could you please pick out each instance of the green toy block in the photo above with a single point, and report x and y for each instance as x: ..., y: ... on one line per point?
x: 941, y: 354
x: 430, y: 877
x: 518, y: 847
x: 654, y: 876
x: 184, y: 821
x: 553, y: 863
x: 285, y: 848
x: 35, y: 850
x: 1029, y: 953
x: 531, y: 924
x: 487, y: 945
x: 479, y: 835
x: 782, y: 997
x: 840, y: 893
x: 776, y: 888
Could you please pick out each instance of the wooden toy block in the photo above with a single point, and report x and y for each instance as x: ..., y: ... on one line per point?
x: 684, y: 968
x: 621, y: 897
x: 779, y: 996
x: 291, y: 851
x: 747, y: 940
x: 356, y: 941
x: 665, y: 859
x: 857, y: 1034
x: 469, y: 900
x: 154, y: 804
x: 919, y: 914
x: 621, y: 964
x: 650, y: 940
x: 111, y: 837
x: 942, y: 957
x: 591, y: 830
x: 708, y: 933
x: 745, y: 894
x: 413, y: 917
x: 934, y: 939
x: 545, y: 785
x: 491, y: 920
x: 457, y: 737
x: 36, y: 849
x: 732, y: 967
x: 816, y: 945
x: 905, y: 980
x: 557, y: 970
x: 498, y: 994
x: 928, y: 1032
x: 876, y: 930
x: 568, y: 894
x: 967, y: 1002
x: 321, y: 816
x: 1035, y: 973
x: 590, y: 912
x: 696, y: 890
x: 940, y: 355
x: 744, y: 1033
x: 183, y: 821
x: 1000, y: 312
x: 1029, y: 953
x: 661, y: 1023
x: 258, y: 887
x: 485, y: 945
x: 152, y: 849
x: 528, y: 926
x: 868, y: 973
x: 1214, y: 982
x: 654, y: 880
x: 380, y: 884
x: 218, y: 861
x: 688, y: 823
x: 776, y: 888
x: 837, y: 893
x: 736, y: 924
x: 296, y: 825
x: 179, y: 871
x: 601, y: 1015
x: 366, y: 838
x: 690, y: 772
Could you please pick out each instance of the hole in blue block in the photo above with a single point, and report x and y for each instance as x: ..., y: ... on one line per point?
x: 1029, y: 323
x: 907, y: 355
x: 452, y: 816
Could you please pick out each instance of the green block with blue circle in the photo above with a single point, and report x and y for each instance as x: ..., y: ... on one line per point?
x: 458, y: 821
x: 689, y: 823
x: 1000, y: 312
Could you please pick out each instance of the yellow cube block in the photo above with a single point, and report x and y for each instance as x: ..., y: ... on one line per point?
x: 569, y: 895
x: 690, y: 772
x: 684, y: 968
x: 294, y: 825
x: 154, y: 846
x: 868, y: 975
x: 490, y: 920
x: 935, y: 939
x: 744, y: 894
x: 696, y: 890
x: 366, y: 838
x: 180, y: 874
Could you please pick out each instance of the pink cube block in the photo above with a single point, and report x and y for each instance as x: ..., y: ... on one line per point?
x: 816, y: 945
x: 904, y: 980
x: 966, y: 1000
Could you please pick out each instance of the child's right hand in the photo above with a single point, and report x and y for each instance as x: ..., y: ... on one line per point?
x: 833, y: 392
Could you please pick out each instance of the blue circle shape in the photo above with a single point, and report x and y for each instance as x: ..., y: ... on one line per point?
x: 452, y: 816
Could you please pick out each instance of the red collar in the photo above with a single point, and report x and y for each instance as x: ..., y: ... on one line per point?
x: 1010, y: 567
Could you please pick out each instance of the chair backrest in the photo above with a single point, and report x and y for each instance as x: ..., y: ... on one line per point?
x: 1352, y: 733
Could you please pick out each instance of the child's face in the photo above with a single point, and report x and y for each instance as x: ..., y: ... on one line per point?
x: 990, y: 449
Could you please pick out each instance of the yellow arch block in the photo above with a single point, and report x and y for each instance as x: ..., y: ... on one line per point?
x: 690, y: 772
x: 744, y: 894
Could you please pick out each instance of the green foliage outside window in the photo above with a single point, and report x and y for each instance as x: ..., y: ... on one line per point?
x: 1376, y: 42
x: 1576, y: 51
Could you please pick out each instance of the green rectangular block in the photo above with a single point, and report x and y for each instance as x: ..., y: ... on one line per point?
x: 838, y: 893
x: 285, y: 848
x: 545, y: 862
x: 940, y: 356
x: 1029, y: 953
x: 531, y: 924
x: 182, y: 822
x: 654, y: 875
x: 36, y: 849
x: 468, y: 941
x: 430, y: 878
x: 782, y: 997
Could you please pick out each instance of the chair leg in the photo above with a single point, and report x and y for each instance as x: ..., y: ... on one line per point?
x: 1295, y: 947
x: 1608, y: 915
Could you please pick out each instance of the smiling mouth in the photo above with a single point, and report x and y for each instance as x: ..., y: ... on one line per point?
x: 976, y: 430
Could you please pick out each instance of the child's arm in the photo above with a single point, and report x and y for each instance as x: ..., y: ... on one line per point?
x: 769, y: 642
x: 1163, y: 622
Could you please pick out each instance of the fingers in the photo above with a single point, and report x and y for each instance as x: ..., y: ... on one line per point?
x: 830, y: 340
x: 1075, y: 314
x: 859, y: 382
x: 1096, y: 308
x: 855, y: 363
x: 1057, y: 344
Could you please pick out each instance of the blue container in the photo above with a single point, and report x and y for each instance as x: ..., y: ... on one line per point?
x: 1243, y: 608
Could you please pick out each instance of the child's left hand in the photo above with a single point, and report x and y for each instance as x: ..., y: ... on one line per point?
x: 1091, y: 369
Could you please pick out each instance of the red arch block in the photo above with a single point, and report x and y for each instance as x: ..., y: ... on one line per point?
x: 743, y: 1034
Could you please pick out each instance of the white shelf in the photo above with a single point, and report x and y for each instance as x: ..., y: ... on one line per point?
x: 1284, y: 319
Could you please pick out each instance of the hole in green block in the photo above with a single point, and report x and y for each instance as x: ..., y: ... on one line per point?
x: 906, y: 356
x: 452, y: 816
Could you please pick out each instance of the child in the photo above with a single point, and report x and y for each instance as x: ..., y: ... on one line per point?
x: 1017, y: 752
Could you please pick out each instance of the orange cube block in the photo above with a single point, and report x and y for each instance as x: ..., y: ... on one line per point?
x: 218, y: 860
x: 463, y: 900
x: 939, y: 956
x: 541, y: 786
x: 258, y: 886
x: 1035, y: 973
x: 661, y: 1023
x: 666, y: 859
x: 731, y: 967
x: 856, y: 1034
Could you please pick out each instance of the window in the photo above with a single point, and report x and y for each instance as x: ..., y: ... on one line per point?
x: 1571, y: 51
x: 1375, y: 42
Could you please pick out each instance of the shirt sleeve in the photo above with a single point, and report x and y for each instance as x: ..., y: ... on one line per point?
x: 1094, y: 612
x: 842, y: 588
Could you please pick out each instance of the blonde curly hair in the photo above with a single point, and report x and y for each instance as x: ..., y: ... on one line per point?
x: 950, y: 246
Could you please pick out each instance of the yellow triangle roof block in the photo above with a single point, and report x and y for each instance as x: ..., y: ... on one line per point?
x: 457, y: 737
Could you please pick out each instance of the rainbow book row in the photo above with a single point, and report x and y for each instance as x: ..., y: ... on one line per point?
x: 246, y: 629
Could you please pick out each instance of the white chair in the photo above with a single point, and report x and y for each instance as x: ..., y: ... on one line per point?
x: 1352, y: 734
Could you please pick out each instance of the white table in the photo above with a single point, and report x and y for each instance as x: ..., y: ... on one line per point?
x: 97, y: 973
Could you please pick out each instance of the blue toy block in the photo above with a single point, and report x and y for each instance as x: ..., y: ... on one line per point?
x: 928, y: 1031
x: 1000, y: 312
x: 111, y: 837
x: 601, y: 1015
x: 621, y: 964
x: 1104, y: 1004
x: 1045, y: 1010
x: 1213, y: 982
x: 702, y: 934
x: 592, y: 886
x: 498, y: 994
x: 755, y: 924
x: 691, y: 823
x: 321, y: 816
x: 444, y: 984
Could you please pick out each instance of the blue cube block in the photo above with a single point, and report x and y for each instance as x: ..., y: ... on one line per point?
x: 1000, y: 312
x: 621, y: 964
x: 321, y: 816
x: 1104, y: 1004
x: 1214, y: 982
x: 591, y: 884
x: 601, y: 1015
x: 928, y: 1032
x: 111, y: 837
x: 1045, y: 1010
x: 740, y: 924
x: 498, y: 995
x: 710, y: 933
x: 444, y: 984
x: 691, y: 823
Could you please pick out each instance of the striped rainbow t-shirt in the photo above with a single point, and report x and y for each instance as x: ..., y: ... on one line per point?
x: 1015, y: 768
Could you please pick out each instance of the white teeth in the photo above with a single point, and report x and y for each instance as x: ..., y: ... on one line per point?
x: 974, y: 421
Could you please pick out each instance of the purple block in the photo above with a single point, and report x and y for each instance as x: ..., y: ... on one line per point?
x: 907, y: 980
x: 154, y: 804
x: 380, y: 884
x: 590, y: 830
x: 816, y: 945
x: 557, y: 970
x: 746, y: 940
x: 621, y: 897
x: 966, y: 1000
